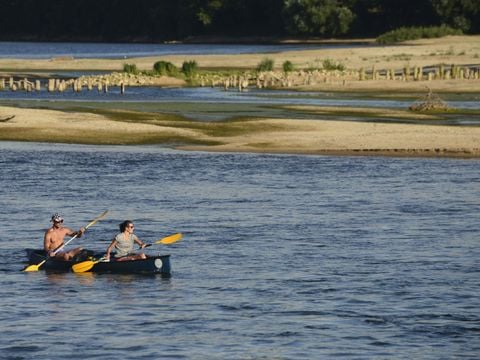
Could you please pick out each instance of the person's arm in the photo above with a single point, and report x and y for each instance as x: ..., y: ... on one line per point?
x: 46, y: 243
x: 78, y: 233
x: 140, y: 243
x: 109, y: 249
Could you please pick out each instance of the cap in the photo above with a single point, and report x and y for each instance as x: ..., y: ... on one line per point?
x: 56, y: 218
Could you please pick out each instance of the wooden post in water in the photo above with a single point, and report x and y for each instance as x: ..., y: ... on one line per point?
x: 2, y: 84
x: 78, y: 87
x: 122, y: 88
x: 51, y: 85
x: 406, y: 71
x: 361, y: 74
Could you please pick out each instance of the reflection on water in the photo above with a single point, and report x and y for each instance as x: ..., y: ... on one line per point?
x: 85, y: 278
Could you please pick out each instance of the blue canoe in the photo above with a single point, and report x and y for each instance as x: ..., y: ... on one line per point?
x: 151, y: 265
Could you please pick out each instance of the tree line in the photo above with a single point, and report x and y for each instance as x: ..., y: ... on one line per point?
x: 178, y: 20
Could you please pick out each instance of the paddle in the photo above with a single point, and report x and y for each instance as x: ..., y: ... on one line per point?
x: 36, y: 267
x: 167, y: 240
x: 88, y: 264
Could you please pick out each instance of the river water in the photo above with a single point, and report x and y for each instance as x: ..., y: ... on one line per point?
x: 283, y: 257
x: 46, y: 50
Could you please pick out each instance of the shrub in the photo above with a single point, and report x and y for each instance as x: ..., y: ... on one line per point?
x: 330, y: 65
x: 189, y: 68
x: 130, y: 68
x: 413, y: 33
x: 265, y: 65
x: 165, y: 68
x: 288, y: 66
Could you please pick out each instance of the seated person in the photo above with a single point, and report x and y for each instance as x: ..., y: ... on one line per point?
x: 123, y: 244
x: 54, y: 239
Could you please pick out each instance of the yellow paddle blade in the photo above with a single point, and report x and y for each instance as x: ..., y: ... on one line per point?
x: 83, y: 266
x: 91, y: 223
x: 34, y: 267
x: 169, y: 239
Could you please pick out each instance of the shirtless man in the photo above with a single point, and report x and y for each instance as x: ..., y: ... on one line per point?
x: 54, y: 238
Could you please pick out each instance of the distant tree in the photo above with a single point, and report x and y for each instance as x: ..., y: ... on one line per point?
x: 374, y: 17
x: 164, y: 20
x: 207, y: 10
x: 460, y: 14
x: 317, y: 17
x: 240, y: 17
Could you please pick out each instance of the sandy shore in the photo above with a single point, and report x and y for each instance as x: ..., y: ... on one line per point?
x: 270, y: 135
x: 260, y: 135
x: 449, y: 50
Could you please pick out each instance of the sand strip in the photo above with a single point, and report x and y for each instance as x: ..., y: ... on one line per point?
x: 270, y: 135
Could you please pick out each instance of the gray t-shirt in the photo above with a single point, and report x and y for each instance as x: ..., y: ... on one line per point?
x: 124, y: 246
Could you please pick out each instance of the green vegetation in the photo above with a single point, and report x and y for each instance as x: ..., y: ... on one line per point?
x: 265, y: 65
x: 413, y: 33
x: 321, y: 17
x: 288, y: 66
x: 165, y: 68
x: 330, y: 65
x: 190, y: 68
x: 166, y: 20
x: 130, y: 68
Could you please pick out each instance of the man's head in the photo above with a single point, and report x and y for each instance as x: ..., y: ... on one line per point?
x: 56, y: 219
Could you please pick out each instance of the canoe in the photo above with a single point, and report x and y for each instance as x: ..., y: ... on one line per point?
x: 151, y: 265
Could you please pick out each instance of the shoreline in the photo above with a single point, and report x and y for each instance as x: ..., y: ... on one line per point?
x: 274, y: 136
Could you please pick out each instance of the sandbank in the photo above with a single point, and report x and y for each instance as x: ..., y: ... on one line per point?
x: 268, y: 135
x: 288, y: 136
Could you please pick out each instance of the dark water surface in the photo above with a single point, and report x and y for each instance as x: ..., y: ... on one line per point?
x: 283, y: 257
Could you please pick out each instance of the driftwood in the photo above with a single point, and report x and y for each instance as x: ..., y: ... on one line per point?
x: 429, y: 102
x: 7, y: 118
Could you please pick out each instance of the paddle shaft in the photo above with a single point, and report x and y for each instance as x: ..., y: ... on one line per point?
x: 34, y: 267
x: 76, y: 235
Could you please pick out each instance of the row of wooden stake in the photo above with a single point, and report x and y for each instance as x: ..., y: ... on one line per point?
x: 54, y: 85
